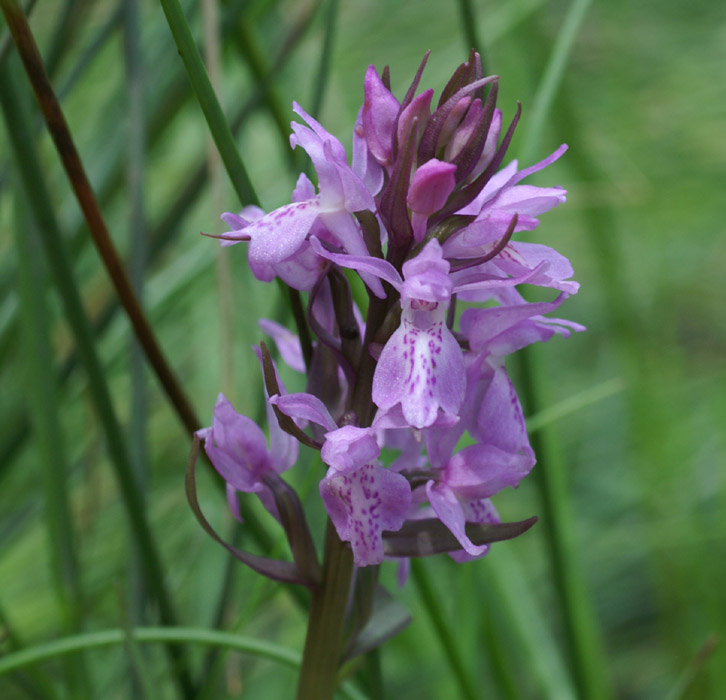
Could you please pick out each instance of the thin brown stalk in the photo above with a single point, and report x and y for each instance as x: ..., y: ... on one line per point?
x: 59, y: 131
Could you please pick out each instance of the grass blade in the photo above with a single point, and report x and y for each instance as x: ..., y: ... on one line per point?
x: 137, y: 430
x: 36, y: 191
x: 432, y: 603
x: 202, y: 87
x: 573, y: 404
x: 581, y: 628
x: 58, y: 128
x: 163, y: 635
x: 45, y: 409
x: 551, y: 78
x: 321, y: 81
x: 468, y: 27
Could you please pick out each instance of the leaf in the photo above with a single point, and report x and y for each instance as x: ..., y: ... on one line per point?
x: 283, y: 571
x: 387, y: 619
x: 422, y: 538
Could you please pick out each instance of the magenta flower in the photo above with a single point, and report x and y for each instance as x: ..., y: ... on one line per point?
x: 362, y: 498
x: 237, y: 449
x: 426, y: 214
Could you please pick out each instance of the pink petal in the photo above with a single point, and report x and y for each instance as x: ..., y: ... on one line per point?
x: 423, y: 369
x: 450, y: 512
x: 380, y: 109
x: 362, y: 504
x: 305, y: 406
x: 279, y: 234
x: 349, y: 447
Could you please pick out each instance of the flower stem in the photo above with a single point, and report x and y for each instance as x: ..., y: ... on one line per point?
x: 321, y: 656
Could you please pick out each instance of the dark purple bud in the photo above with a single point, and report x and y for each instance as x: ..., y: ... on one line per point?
x: 454, y: 121
x: 380, y: 111
x: 393, y: 208
x: 419, y: 109
x: 430, y: 137
x: 471, y: 136
x: 463, y: 75
x: 468, y: 194
x: 408, y: 98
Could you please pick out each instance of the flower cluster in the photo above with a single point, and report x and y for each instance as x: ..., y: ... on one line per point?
x: 425, y: 214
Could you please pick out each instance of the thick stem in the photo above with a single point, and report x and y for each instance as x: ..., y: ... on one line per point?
x: 323, y: 643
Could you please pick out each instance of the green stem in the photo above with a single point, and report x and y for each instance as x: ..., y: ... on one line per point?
x: 323, y: 644
x: 468, y: 26
x: 213, y: 113
x: 432, y: 603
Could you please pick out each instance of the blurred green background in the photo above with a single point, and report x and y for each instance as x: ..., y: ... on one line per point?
x: 629, y: 417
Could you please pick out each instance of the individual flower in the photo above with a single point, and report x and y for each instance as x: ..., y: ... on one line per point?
x: 237, y: 449
x: 279, y: 237
x: 362, y: 498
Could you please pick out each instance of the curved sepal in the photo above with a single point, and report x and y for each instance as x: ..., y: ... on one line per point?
x: 423, y: 538
x: 283, y: 571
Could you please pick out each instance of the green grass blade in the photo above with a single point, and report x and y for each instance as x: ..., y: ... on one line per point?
x: 139, y: 416
x: 45, y: 409
x: 246, y: 43
x: 506, y: 584
x: 432, y: 604
x: 468, y: 28
x: 551, y: 78
x: 160, y: 635
x: 7, y: 41
x: 574, y: 404
x: 36, y: 685
x: 86, y: 59
x: 167, y: 228
x: 213, y: 113
x: 179, y: 635
x: 323, y: 73
x: 85, y: 196
x: 35, y: 188
x: 581, y: 628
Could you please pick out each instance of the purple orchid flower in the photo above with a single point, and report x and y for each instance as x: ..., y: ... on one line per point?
x: 280, y: 236
x: 361, y: 497
x: 237, y: 448
x: 424, y: 215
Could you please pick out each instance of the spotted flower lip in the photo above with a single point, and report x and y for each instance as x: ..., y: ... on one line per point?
x: 363, y: 498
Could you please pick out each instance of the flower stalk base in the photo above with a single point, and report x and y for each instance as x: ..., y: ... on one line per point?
x: 319, y: 672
